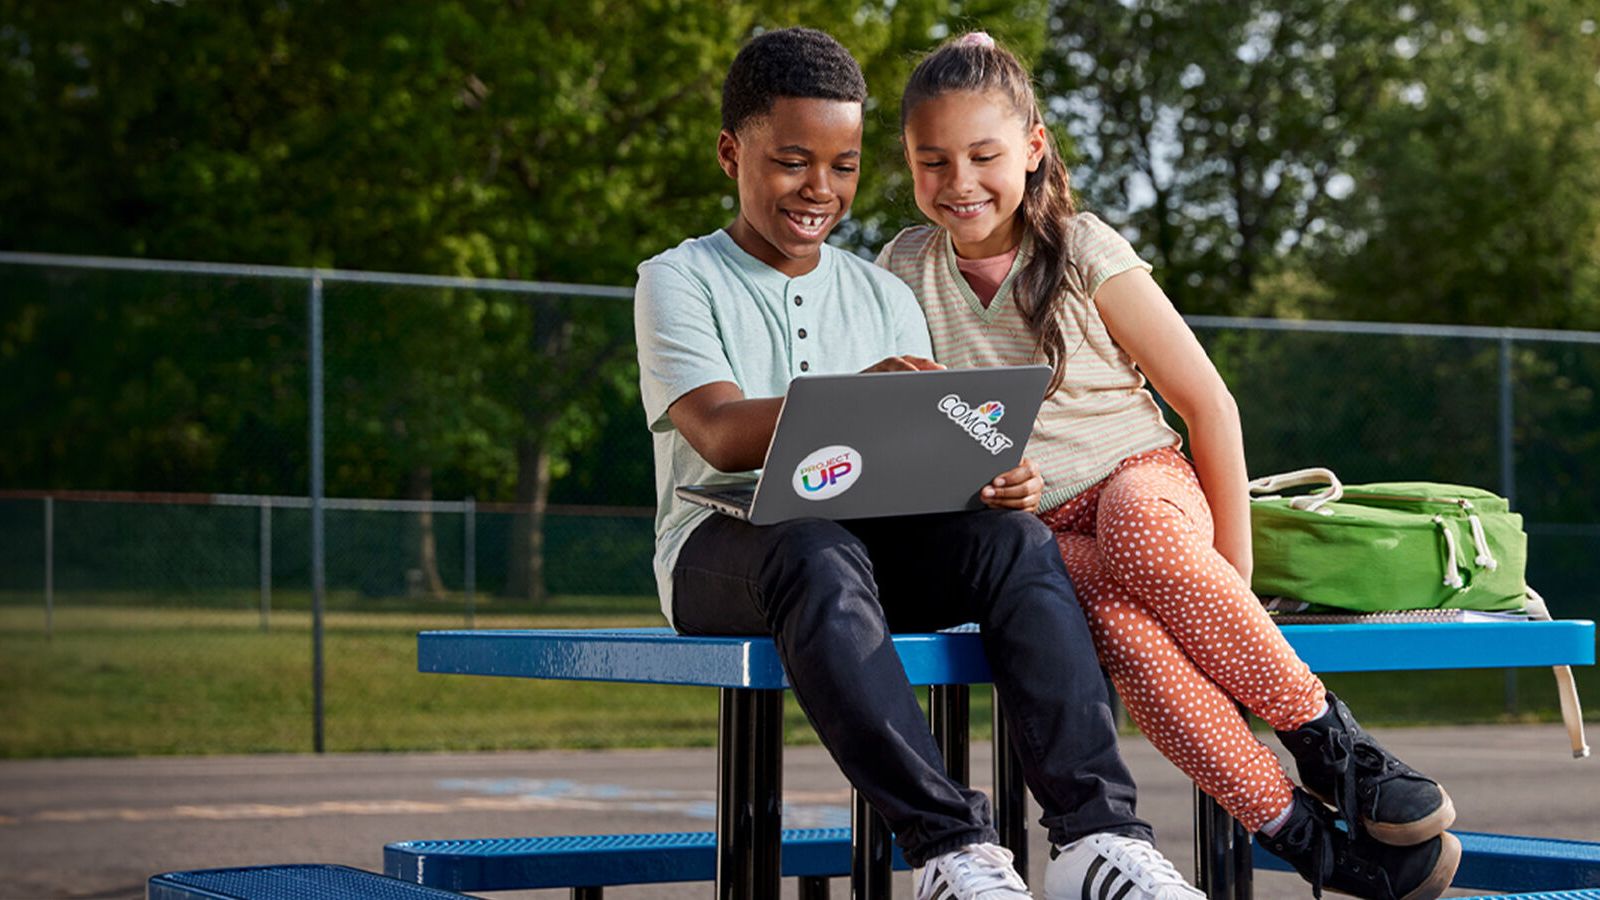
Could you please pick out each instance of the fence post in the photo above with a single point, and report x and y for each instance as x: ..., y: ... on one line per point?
x: 265, y: 567
x: 469, y: 539
x: 1508, y: 480
x: 318, y: 554
x: 50, y: 567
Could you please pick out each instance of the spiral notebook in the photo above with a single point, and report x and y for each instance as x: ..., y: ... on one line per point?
x: 1405, y: 615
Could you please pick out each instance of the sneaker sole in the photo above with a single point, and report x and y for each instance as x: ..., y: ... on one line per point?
x: 1408, y: 834
x: 1438, y: 881
x: 1444, y: 871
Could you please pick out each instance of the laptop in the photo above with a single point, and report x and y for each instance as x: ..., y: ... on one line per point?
x: 886, y: 444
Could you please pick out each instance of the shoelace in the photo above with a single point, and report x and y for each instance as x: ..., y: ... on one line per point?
x: 981, y: 867
x: 1142, y: 863
x: 1305, y: 833
x: 1320, y: 840
x: 1350, y: 757
x: 1337, y: 753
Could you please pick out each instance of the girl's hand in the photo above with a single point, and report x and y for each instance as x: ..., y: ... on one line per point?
x: 1021, y: 488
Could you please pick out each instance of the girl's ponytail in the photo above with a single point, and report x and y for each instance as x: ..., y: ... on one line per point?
x: 974, y: 62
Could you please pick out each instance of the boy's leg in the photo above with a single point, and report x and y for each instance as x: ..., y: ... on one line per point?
x: 1181, y: 711
x: 1154, y: 532
x: 1002, y: 570
x: 809, y: 583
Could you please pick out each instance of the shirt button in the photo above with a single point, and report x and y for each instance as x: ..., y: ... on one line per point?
x: 805, y: 366
x: 798, y: 299
x: 802, y: 334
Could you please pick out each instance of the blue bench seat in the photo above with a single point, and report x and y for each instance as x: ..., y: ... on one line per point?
x: 1581, y: 894
x: 288, y: 882
x: 592, y: 861
x: 751, y: 677
x: 1504, y: 862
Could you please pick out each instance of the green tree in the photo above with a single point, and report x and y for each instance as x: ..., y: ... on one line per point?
x: 1216, y: 133
x: 1477, y: 197
x: 534, y: 139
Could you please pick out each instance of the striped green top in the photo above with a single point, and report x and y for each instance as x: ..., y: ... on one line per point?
x: 1102, y: 414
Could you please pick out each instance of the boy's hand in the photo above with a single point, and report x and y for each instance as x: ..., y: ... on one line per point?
x: 1021, y: 488
x: 903, y: 364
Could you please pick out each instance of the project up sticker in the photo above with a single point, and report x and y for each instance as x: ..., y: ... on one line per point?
x: 827, y: 473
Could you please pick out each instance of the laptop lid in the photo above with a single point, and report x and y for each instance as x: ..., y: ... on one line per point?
x: 895, y: 443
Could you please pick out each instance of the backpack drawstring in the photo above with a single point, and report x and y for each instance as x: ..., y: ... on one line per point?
x: 1452, y: 577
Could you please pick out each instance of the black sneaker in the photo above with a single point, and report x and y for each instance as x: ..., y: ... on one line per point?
x: 1344, y: 767
x: 1327, y: 856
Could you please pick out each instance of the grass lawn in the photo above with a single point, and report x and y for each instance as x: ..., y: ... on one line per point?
x: 136, y: 680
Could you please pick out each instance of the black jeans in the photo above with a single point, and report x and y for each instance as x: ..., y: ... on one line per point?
x: 830, y: 593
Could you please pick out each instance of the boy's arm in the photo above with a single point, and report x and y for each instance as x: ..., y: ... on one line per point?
x: 732, y: 433
x: 685, y: 377
x: 687, y: 383
x: 727, y: 430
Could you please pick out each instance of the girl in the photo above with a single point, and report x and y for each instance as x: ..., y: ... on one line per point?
x: 1158, y: 547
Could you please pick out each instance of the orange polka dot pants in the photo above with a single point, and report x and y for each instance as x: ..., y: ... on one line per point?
x: 1180, y: 633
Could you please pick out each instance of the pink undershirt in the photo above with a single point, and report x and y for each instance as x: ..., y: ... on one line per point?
x: 984, y: 275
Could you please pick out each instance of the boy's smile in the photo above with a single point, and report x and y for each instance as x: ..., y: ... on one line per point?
x: 797, y: 167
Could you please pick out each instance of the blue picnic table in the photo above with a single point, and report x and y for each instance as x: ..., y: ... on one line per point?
x: 751, y: 681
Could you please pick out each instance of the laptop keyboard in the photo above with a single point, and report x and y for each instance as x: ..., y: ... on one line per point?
x: 738, y: 496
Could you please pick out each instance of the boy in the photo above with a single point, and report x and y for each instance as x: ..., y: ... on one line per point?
x: 724, y: 322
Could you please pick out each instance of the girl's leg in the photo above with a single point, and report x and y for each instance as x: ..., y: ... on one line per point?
x: 1182, y: 712
x: 1154, y: 531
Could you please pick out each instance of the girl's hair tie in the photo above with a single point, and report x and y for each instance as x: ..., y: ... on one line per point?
x: 976, y: 39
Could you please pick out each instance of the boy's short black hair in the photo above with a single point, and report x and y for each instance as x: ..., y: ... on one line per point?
x: 791, y: 62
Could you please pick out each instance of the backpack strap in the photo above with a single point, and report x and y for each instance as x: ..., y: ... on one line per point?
x: 1312, y: 502
x: 1566, y: 688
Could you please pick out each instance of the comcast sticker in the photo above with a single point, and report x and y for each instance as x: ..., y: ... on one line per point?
x: 828, y: 472
x: 980, y: 422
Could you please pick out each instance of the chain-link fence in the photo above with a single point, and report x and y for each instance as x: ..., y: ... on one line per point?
x: 483, y: 462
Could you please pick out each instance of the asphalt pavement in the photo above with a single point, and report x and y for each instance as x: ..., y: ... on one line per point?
x: 97, y: 828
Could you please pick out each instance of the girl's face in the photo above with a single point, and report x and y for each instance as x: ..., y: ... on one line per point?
x: 970, y: 155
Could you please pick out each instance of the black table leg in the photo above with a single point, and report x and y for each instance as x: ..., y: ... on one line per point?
x: 1244, y: 886
x: 1222, y: 866
x: 871, y: 855
x: 1213, y: 848
x: 1010, y: 794
x: 949, y: 715
x: 749, y: 793
x: 813, y: 887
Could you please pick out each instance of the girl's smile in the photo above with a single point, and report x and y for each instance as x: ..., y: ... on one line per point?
x: 970, y: 156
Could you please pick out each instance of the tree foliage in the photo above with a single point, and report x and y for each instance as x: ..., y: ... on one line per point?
x: 1431, y: 162
x: 553, y: 141
x: 1477, y: 197
x: 1435, y: 161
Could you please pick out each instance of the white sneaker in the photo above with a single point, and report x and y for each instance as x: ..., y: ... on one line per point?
x: 1113, y: 867
x: 975, y: 872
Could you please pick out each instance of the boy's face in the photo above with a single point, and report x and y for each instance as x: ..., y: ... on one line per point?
x: 797, y: 169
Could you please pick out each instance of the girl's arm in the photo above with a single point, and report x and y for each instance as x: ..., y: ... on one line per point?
x: 1143, y: 322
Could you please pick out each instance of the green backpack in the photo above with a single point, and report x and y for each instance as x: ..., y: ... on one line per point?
x: 1389, y: 546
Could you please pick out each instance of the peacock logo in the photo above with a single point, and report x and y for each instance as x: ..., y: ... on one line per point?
x: 992, y: 411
